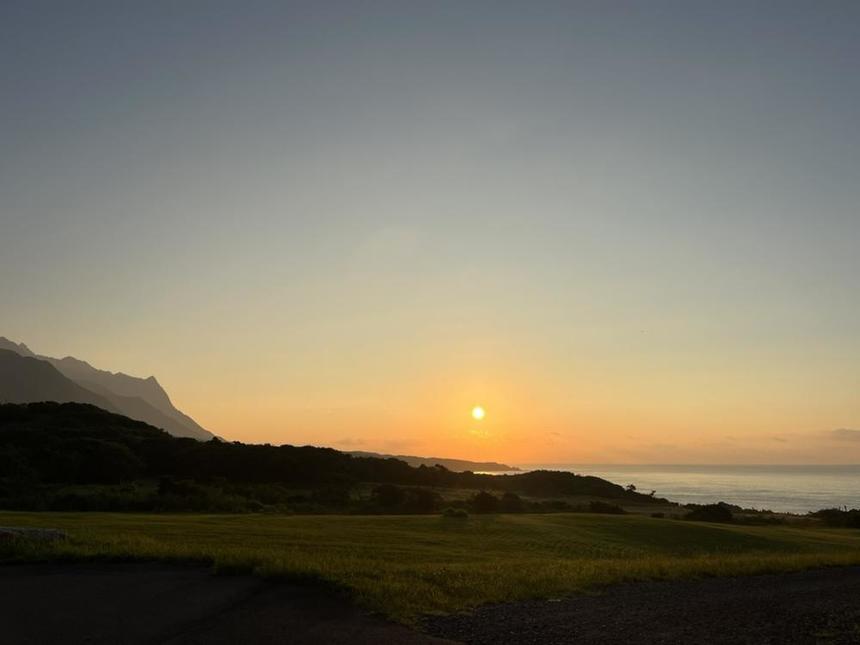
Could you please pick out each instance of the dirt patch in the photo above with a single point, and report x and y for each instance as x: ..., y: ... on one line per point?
x: 28, y: 533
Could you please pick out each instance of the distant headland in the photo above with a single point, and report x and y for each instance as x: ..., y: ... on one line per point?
x: 455, y: 465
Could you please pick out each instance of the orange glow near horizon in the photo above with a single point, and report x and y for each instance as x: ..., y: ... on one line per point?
x: 542, y: 405
x: 533, y: 420
x: 539, y: 406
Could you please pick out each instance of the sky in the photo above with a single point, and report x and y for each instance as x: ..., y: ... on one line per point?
x: 628, y: 230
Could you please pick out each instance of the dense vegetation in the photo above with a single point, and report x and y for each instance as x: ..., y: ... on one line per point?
x: 78, y: 457
x: 844, y: 518
x: 711, y: 513
x: 404, y: 565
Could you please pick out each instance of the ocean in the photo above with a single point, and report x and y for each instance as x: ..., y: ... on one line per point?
x: 793, y: 489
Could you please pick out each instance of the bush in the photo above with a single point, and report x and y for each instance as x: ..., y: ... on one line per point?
x: 180, y: 488
x: 421, y: 500
x: 605, y: 508
x: 456, y: 513
x: 331, y: 496
x: 483, y: 502
x: 555, y: 506
x: 401, y: 499
x: 711, y: 513
x: 388, y: 495
x: 559, y: 505
x: 512, y: 503
x: 839, y: 517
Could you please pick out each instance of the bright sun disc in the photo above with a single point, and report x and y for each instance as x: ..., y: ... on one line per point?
x: 478, y: 413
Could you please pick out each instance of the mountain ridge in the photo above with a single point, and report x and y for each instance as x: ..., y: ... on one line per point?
x: 25, y: 379
x: 138, y: 398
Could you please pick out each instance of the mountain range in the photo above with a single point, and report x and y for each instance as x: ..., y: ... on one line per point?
x: 26, y: 377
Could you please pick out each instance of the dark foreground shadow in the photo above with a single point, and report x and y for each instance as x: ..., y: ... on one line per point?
x: 145, y: 603
x: 820, y: 607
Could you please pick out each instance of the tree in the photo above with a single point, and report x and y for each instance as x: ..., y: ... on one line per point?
x: 388, y: 495
x: 512, y: 503
x: 719, y: 512
x: 484, y: 502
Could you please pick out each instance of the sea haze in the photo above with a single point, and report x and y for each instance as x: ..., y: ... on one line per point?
x: 793, y: 489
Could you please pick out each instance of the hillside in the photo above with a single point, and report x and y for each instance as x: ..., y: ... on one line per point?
x: 137, y: 398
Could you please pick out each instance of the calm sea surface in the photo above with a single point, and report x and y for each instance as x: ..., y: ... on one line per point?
x: 795, y: 489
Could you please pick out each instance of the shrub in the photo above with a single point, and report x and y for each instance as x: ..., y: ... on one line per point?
x: 402, y: 499
x: 711, y: 513
x: 484, y: 502
x: 180, y: 488
x: 456, y: 513
x: 839, y: 517
x: 606, y: 508
x: 421, y: 500
x: 388, y: 495
x: 331, y: 496
x: 559, y: 505
x: 512, y: 503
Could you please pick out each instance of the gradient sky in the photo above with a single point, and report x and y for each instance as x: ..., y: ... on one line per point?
x: 629, y: 230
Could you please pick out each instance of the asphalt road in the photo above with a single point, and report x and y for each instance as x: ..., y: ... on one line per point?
x: 121, y: 604
x: 820, y: 607
x: 147, y: 603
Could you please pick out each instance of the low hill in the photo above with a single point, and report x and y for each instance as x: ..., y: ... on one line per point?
x: 137, y: 398
x: 455, y: 465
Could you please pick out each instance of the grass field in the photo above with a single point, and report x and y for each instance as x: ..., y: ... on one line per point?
x: 407, y: 565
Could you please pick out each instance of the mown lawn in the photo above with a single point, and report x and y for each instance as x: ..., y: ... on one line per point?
x: 407, y: 565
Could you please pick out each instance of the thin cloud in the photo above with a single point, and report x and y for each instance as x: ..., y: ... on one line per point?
x: 351, y: 442
x: 845, y: 434
x: 392, y: 445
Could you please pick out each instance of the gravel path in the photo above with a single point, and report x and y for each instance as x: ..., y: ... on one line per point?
x: 122, y: 604
x: 820, y: 607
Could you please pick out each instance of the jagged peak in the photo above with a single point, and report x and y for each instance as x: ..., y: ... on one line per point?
x: 121, y: 386
x: 21, y: 348
x: 72, y: 359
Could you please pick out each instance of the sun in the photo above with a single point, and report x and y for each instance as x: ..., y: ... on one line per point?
x: 478, y: 413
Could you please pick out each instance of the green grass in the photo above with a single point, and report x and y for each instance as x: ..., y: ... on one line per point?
x: 407, y: 565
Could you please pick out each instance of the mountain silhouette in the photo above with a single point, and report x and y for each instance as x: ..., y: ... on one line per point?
x: 18, y: 348
x: 25, y: 380
x: 137, y: 398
